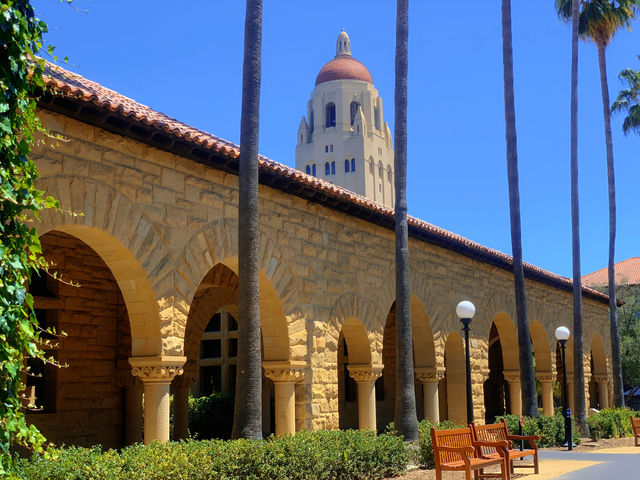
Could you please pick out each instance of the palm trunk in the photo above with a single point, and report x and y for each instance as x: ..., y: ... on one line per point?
x: 618, y: 389
x: 248, y: 402
x: 406, y: 416
x: 578, y: 343
x: 527, y: 379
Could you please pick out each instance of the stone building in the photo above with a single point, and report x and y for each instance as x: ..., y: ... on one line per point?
x: 345, y: 139
x: 155, y: 254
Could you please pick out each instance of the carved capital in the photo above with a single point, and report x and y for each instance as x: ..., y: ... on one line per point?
x: 545, y: 377
x: 429, y: 374
x: 601, y: 378
x: 365, y: 373
x: 284, y: 372
x: 156, y: 369
x: 127, y: 381
x: 184, y: 381
x: 512, y: 376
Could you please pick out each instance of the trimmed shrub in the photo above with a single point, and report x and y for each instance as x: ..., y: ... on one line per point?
x: 320, y: 455
x: 424, y: 439
x: 211, y: 417
x: 611, y: 423
x: 550, y: 429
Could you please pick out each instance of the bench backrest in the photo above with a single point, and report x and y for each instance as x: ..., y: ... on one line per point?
x: 494, y: 432
x: 635, y: 424
x: 458, y: 437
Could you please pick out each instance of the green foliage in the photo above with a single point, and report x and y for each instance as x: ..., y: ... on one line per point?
x: 424, y: 439
x: 629, y: 321
x: 550, y: 429
x: 211, y: 417
x: 611, y: 423
x: 321, y: 455
x: 627, y: 100
x: 20, y: 76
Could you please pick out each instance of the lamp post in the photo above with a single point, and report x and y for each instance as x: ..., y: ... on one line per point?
x: 562, y: 335
x: 465, y: 311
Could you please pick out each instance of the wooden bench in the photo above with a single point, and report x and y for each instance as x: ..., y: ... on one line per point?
x: 498, y: 432
x: 635, y: 425
x: 456, y: 450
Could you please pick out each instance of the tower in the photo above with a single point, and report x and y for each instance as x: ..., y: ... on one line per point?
x: 345, y: 140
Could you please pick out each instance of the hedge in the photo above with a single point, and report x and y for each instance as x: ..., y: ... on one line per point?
x: 611, y: 423
x: 319, y: 455
x: 550, y: 429
x: 211, y: 417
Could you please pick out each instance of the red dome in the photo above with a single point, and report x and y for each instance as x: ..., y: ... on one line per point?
x: 343, y: 67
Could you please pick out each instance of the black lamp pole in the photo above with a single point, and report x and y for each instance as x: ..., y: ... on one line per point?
x: 465, y: 323
x: 567, y: 411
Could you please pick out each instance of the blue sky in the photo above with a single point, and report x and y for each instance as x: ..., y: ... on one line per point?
x: 185, y: 59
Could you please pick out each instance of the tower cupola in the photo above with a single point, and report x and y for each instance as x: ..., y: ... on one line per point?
x: 343, y: 44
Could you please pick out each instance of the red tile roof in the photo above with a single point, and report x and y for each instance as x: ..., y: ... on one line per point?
x: 627, y: 273
x: 72, y: 94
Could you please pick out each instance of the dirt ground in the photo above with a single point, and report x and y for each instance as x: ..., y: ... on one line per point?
x: 587, y: 445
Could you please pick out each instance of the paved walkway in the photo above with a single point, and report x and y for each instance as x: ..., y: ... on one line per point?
x: 609, y: 464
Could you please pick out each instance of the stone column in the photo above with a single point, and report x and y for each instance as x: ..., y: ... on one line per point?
x: 603, y: 391
x: 181, y: 386
x: 572, y: 394
x: 546, y: 379
x: 429, y: 377
x: 156, y: 374
x: 132, y: 408
x: 366, y: 376
x: 515, y: 391
x: 284, y: 376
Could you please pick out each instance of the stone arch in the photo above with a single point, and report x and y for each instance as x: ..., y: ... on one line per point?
x: 350, y: 308
x: 130, y: 246
x: 280, y: 314
x: 508, y: 341
x: 423, y: 343
x: 598, y: 355
x: 542, y: 352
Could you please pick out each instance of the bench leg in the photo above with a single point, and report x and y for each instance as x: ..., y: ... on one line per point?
x: 506, y: 475
x: 477, y: 473
x: 438, y: 474
x: 467, y: 473
x: 536, y: 468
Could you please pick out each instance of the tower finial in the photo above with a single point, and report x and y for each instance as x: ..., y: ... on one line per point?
x: 343, y: 44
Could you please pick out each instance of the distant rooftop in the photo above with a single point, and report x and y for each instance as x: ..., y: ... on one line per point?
x: 627, y: 273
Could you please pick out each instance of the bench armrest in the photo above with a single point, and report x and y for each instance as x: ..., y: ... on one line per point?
x: 532, y: 439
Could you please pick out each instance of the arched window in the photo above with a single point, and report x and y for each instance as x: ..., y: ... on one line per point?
x: 330, y: 115
x: 308, y: 169
x: 372, y: 167
x: 313, y: 169
x: 333, y: 168
x: 327, y: 169
x: 346, y: 166
x: 376, y: 117
x: 353, y: 164
x: 311, y: 121
x: 380, y: 169
x: 354, y: 111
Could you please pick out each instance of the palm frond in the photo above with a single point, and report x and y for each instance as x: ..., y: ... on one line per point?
x: 632, y: 121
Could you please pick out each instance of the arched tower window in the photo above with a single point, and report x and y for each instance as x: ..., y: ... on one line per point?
x: 311, y: 122
x: 313, y: 169
x: 330, y: 115
x: 376, y: 117
x: 372, y: 166
x: 353, y: 164
x: 380, y: 169
x: 327, y: 169
x: 333, y: 168
x: 354, y: 110
x: 308, y: 169
x: 346, y: 166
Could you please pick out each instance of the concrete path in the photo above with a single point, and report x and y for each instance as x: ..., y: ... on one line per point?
x: 613, y: 464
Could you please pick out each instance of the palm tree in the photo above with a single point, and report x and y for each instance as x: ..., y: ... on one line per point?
x: 599, y: 22
x: 527, y: 378
x: 629, y: 100
x: 248, y: 404
x: 406, y: 416
x: 568, y: 10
